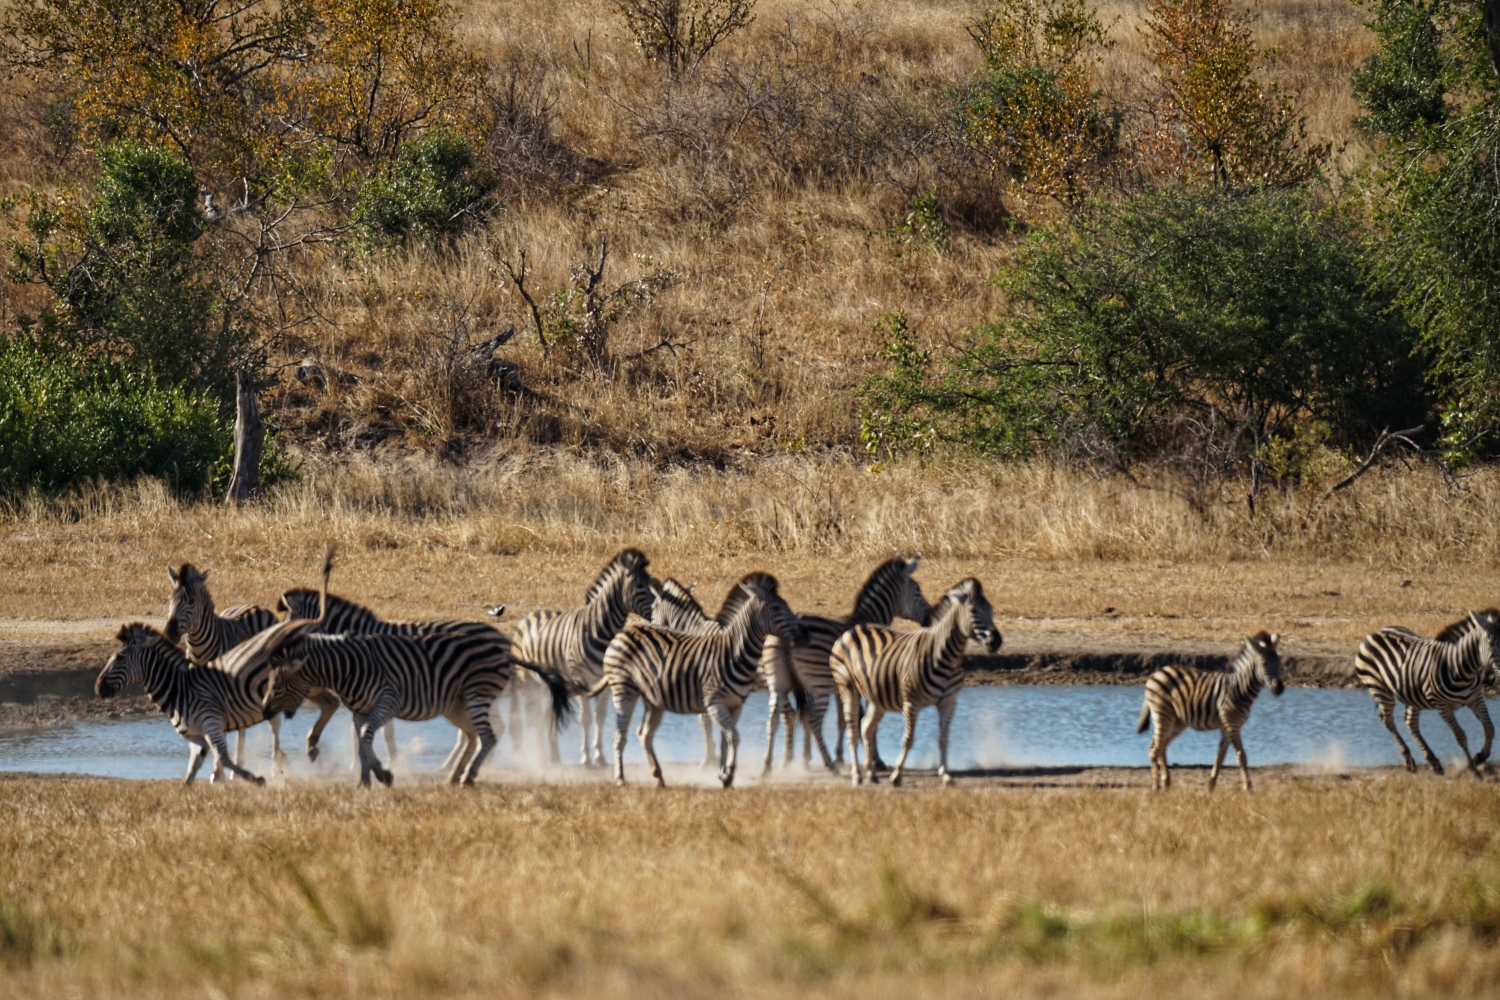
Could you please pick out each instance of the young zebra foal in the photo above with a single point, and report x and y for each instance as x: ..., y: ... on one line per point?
x: 1178, y: 697
x: 1443, y: 674
x: 908, y: 671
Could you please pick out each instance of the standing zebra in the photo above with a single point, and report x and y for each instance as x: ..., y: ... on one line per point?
x: 204, y: 701
x: 456, y: 673
x: 692, y: 674
x: 573, y: 642
x: 908, y: 671
x: 1178, y: 697
x: 1444, y: 674
x: 889, y: 592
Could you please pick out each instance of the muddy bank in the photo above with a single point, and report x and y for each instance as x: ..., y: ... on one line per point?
x: 48, y: 683
x: 1134, y: 666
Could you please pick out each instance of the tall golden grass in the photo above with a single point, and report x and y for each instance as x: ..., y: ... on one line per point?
x: 1383, y: 884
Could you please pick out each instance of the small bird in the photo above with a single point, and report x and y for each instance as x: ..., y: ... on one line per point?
x: 496, y: 611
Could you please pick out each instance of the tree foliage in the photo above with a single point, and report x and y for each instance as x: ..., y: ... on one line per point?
x: 1167, y: 315
x: 1033, y: 109
x: 1431, y: 95
x: 1215, y: 113
x: 431, y: 192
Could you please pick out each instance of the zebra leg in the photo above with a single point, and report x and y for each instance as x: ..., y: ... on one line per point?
x: 197, y: 754
x: 649, y: 723
x: 946, y: 709
x: 1412, y: 712
x: 585, y: 719
x: 1388, y: 716
x: 1213, y: 776
x: 213, y: 731
x: 599, y: 710
x: 793, y: 718
x: 1458, y: 734
x: 327, y: 703
x: 876, y: 761
x: 390, y: 740
x: 725, y: 720
x: 1239, y: 755
x: 813, y: 731
x: 908, y: 737
x: 239, y: 747
x: 773, y: 711
x: 460, y: 745
x: 708, y: 739
x: 871, y: 719
x: 1482, y: 713
x: 368, y: 725
x: 624, y: 698
x: 850, y: 719
x: 278, y: 759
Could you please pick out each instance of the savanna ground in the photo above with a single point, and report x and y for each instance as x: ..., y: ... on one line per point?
x: 735, y: 448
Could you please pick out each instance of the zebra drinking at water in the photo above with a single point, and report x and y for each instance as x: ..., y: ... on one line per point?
x: 203, y: 702
x: 692, y: 674
x: 573, y: 642
x: 1443, y: 674
x: 908, y: 671
x: 1178, y: 697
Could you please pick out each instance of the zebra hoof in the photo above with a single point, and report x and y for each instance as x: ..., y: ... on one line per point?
x: 896, y: 780
x: 1411, y: 765
x: 384, y: 777
x: 1437, y: 766
x: 259, y: 781
x: 312, y: 752
x: 947, y: 779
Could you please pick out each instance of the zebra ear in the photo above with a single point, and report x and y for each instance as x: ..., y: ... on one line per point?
x: 1275, y: 639
x: 690, y: 587
x: 203, y: 575
x: 911, y: 566
x: 173, y: 574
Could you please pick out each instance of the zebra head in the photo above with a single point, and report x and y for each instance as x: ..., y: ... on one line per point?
x: 190, y: 605
x: 976, y: 617
x: 127, y: 664
x: 1488, y: 622
x: 1262, y: 648
x: 911, y: 603
x: 286, y: 689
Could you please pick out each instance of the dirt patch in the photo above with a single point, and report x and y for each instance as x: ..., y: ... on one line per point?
x: 48, y: 683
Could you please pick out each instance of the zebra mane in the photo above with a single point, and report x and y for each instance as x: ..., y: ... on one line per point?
x: 189, y: 572
x: 682, y: 595
x: 336, y: 604
x: 739, y: 595
x: 1462, y: 627
x: 631, y: 558
x: 137, y: 631
x: 895, y: 564
x: 941, y: 607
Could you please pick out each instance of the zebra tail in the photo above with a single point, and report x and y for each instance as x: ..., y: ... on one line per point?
x: 1145, y: 719
x: 562, y: 702
x: 597, y: 689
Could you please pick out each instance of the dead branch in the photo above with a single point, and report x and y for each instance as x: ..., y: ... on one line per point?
x: 1386, y: 437
x: 518, y: 278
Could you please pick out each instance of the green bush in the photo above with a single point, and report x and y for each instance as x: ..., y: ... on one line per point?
x: 431, y: 193
x: 1180, y: 312
x: 60, y: 426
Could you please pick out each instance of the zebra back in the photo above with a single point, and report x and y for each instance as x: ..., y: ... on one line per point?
x: 1396, y: 663
x: 676, y: 608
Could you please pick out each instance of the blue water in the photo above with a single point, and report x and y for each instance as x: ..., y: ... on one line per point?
x: 993, y: 727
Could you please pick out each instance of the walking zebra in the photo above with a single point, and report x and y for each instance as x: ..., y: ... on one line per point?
x: 573, y: 642
x: 1178, y: 697
x: 1444, y: 674
x: 889, y: 592
x: 456, y: 672
x: 908, y: 671
x: 205, y: 701
x: 692, y: 674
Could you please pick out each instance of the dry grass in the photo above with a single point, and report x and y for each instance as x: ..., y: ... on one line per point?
x: 1056, y: 551
x: 1383, y: 884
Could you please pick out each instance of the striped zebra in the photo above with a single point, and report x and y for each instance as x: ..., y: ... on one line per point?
x: 1179, y: 696
x: 694, y: 674
x: 888, y: 593
x: 204, y: 702
x: 456, y: 673
x: 908, y: 671
x: 1443, y: 674
x: 573, y: 642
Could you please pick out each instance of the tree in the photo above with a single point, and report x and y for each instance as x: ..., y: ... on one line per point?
x: 1431, y: 95
x: 1161, y: 318
x: 1032, y: 110
x: 679, y: 34
x: 1213, y: 109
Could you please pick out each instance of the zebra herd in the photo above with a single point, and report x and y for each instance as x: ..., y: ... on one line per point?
x: 213, y: 673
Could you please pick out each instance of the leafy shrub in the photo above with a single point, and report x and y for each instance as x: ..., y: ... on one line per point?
x: 1181, y: 312
x: 61, y: 425
x: 127, y: 278
x: 431, y: 192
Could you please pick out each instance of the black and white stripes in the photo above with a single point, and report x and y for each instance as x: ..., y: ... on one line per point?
x: 908, y: 671
x: 1443, y: 674
x: 1179, y: 697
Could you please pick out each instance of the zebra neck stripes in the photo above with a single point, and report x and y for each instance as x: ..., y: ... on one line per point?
x: 890, y: 592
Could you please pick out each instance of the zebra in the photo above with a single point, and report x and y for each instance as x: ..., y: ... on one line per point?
x: 456, y: 672
x: 1444, y: 674
x: 908, y: 671
x: 693, y: 674
x: 1179, y: 696
x: 203, y: 701
x: 573, y: 642
x: 889, y: 592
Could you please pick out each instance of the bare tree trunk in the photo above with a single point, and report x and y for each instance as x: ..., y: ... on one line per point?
x: 1490, y: 17
x: 249, y: 439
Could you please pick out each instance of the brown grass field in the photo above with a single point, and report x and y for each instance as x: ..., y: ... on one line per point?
x: 1380, y: 885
